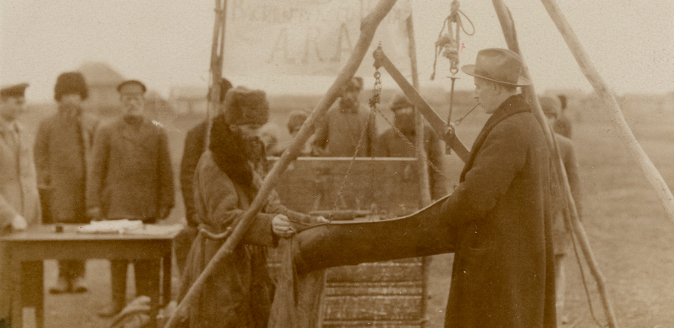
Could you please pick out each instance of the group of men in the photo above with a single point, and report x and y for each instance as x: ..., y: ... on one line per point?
x: 83, y: 171
x: 506, y: 265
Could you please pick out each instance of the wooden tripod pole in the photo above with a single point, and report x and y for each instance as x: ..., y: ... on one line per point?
x: 217, y: 59
x: 613, y: 110
x: 368, y: 28
x: 572, y: 219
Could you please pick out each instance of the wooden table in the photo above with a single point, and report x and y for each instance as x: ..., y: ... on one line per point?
x: 26, y: 250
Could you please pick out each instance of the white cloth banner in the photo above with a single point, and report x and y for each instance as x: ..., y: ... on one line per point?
x: 308, y: 37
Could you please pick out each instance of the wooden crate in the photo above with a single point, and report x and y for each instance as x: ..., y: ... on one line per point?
x: 384, y: 294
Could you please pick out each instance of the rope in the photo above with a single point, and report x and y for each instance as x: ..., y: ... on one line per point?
x: 449, y: 43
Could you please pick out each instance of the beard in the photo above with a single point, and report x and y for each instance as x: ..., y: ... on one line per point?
x: 347, y: 102
x: 233, y: 153
x: 405, y: 123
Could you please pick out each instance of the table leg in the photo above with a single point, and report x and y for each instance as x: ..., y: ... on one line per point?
x: 33, y: 289
x: 17, y: 304
x: 167, y: 263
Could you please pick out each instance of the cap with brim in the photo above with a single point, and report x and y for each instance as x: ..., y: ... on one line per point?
x: 16, y: 90
x: 131, y: 82
x: 498, y: 65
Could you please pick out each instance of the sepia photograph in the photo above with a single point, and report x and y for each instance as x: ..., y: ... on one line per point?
x: 336, y: 163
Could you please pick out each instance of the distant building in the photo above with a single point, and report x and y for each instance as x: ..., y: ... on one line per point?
x: 102, y: 81
x: 188, y: 100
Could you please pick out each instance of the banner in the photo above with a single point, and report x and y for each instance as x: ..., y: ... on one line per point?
x: 308, y: 37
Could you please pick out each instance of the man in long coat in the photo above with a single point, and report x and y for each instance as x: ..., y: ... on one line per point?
x: 19, y: 199
x: 561, y: 235
x: 394, y: 144
x: 503, y: 273
x: 195, y: 145
x: 131, y: 178
x: 62, y: 147
x: 227, y: 180
x: 345, y: 126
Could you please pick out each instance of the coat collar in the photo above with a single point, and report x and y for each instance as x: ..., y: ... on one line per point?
x: 511, y: 106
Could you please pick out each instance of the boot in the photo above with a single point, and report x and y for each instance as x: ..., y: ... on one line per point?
x: 78, y: 285
x: 62, y: 286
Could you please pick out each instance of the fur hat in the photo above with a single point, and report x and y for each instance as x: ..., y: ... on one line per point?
x: 355, y: 84
x: 16, y: 90
x: 225, y: 85
x: 70, y: 82
x: 399, y: 102
x: 550, y: 105
x: 296, y: 119
x: 245, y: 106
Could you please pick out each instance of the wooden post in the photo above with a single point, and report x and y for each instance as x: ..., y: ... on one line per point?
x: 217, y: 59
x: 424, y: 180
x: 368, y: 28
x: 572, y: 220
x: 613, y: 110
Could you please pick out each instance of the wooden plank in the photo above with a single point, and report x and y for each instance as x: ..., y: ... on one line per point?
x: 386, y: 288
x: 372, y: 307
x: 376, y: 272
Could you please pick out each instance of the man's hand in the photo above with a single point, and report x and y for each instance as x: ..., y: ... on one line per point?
x: 163, y: 213
x: 322, y: 219
x: 19, y: 223
x: 94, y: 214
x: 281, y: 226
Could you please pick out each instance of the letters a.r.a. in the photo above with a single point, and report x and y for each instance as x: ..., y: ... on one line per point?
x: 317, y: 47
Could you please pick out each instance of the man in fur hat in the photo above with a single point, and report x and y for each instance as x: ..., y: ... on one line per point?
x: 131, y: 178
x: 339, y: 133
x: 227, y: 180
x: 62, y: 147
x: 392, y: 144
x: 503, y: 272
x: 561, y: 235
x: 19, y: 200
x: 195, y: 145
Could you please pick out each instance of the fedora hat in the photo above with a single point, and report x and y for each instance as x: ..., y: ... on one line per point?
x: 498, y: 65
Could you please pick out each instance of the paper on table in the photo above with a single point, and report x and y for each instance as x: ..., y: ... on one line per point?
x: 112, y: 226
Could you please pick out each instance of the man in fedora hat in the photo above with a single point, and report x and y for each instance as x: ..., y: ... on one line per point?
x: 19, y: 200
x: 340, y: 132
x: 503, y: 273
x: 130, y: 177
x: 62, y: 147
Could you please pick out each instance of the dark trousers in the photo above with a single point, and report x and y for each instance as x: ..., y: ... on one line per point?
x: 71, y: 269
x: 147, y: 280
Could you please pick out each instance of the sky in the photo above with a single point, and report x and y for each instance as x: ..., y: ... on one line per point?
x: 167, y: 43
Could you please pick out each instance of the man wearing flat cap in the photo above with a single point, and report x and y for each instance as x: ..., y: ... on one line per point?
x: 398, y: 141
x: 339, y: 132
x: 561, y: 236
x: 130, y: 177
x: 19, y: 200
x: 503, y: 272
x: 62, y: 149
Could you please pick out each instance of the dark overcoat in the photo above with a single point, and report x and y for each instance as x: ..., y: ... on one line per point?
x: 339, y: 132
x: 503, y: 274
x: 130, y: 175
x: 62, y: 148
x: 239, y: 293
x: 195, y: 145
x: 390, y: 144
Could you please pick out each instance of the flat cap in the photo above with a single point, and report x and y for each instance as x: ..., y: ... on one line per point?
x: 131, y: 82
x: 16, y: 90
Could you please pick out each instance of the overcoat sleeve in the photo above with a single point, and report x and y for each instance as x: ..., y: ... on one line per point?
x: 321, y: 136
x: 194, y: 147
x: 98, y: 168
x: 497, y: 162
x: 381, y: 149
x: 166, y: 188
x: 41, y: 154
